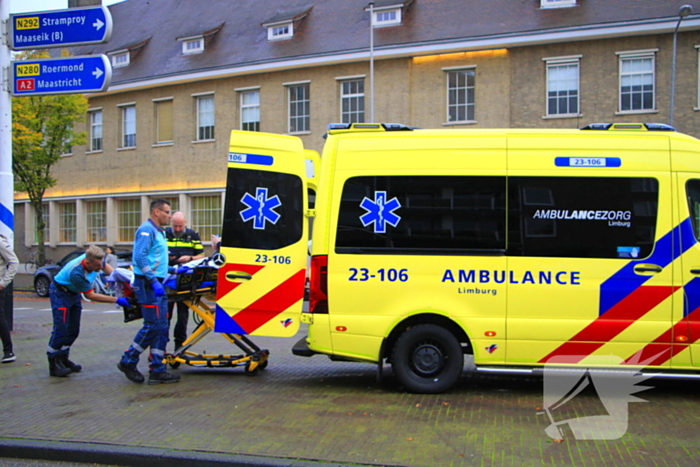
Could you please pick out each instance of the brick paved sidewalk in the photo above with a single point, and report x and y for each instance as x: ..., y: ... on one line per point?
x: 312, y: 409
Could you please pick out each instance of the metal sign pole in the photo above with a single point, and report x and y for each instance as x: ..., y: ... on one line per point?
x: 7, y: 210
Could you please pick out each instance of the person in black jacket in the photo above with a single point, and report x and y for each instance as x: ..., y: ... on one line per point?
x: 184, y: 245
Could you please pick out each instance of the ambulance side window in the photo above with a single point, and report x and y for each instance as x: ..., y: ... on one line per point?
x: 693, y: 190
x: 422, y: 214
x: 263, y: 210
x: 591, y: 217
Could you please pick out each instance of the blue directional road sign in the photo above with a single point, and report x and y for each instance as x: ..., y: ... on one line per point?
x: 60, y: 28
x: 68, y: 75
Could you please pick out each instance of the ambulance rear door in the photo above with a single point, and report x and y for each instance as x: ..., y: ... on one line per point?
x: 260, y: 288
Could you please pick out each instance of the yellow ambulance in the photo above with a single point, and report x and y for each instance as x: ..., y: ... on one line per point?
x: 519, y: 247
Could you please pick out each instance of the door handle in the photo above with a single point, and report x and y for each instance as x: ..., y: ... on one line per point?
x: 238, y: 276
x: 695, y: 271
x: 653, y: 268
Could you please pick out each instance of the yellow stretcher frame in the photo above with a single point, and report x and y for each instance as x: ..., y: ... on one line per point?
x: 253, y: 359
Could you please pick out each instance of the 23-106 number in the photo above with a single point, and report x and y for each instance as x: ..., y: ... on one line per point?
x: 390, y: 275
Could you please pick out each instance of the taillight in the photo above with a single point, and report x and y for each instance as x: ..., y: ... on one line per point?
x: 318, y: 293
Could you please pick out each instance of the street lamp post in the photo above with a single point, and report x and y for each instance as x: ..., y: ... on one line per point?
x: 684, y: 11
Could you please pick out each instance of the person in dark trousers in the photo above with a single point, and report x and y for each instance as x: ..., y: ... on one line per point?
x: 150, y: 263
x: 184, y: 245
x: 8, y: 269
x: 74, y: 278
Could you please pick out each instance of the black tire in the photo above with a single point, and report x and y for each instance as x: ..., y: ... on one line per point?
x: 427, y: 359
x: 41, y: 286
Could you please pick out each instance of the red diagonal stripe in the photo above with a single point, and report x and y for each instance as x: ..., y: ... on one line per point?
x: 664, y: 344
x: 223, y: 285
x: 272, y: 303
x: 613, y: 322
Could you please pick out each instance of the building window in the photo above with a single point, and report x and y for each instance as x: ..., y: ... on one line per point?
x: 45, y: 217
x: 95, y: 130
x: 205, y: 118
x: 67, y: 144
x: 386, y: 18
x: 637, y: 83
x: 193, y: 46
x: 128, y: 219
x: 557, y: 3
x: 96, y: 212
x: 128, y: 126
x: 206, y: 215
x: 250, y: 110
x: 164, y: 121
x: 563, y: 88
x: 67, y: 222
x: 173, y: 201
x: 352, y: 101
x: 460, y: 95
x: 280, y: 31
x: 120, y: 59
x: 299, y: 108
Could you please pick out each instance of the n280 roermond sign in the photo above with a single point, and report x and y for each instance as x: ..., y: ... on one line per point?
x: 68, y: 75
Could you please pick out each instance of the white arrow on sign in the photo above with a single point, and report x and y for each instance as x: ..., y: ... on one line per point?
x: 98, y: 73
x: 98, y: 24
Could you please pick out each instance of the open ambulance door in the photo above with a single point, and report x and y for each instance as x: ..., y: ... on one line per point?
x: 260, y: 287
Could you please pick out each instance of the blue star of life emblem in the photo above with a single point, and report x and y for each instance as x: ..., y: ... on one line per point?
x: 380, y: 212
x: 260, y: 208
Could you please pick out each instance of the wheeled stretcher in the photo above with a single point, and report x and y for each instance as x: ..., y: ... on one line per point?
x: 195, y: 288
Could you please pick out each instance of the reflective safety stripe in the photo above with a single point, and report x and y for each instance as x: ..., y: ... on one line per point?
x: 157, y: 352
x: 624, y: 299
x: 137, y: 347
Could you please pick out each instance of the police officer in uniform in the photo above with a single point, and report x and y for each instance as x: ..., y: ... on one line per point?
x: 184, y: 245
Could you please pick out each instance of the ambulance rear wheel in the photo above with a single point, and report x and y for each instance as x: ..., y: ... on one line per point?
x: 427, y: 359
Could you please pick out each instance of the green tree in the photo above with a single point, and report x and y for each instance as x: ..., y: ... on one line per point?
x: 42, y: 130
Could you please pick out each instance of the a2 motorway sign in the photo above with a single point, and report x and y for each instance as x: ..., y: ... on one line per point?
x: 69, y: 75
x: 73, y: 26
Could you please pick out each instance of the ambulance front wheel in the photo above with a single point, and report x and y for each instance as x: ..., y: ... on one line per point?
x: 427, y: 359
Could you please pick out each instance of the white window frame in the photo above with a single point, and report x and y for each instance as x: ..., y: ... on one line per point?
x: 67, y: 222
x: 466, y: 104
x: 206, y: 219
x: 649, y: 54
x: 124, y: 125
x: 280, y: 31
x: 247, y: 108
x: 199, y: 99
x: 160, y: 141
x: 555, y: 62
x: 306, y: 117
x: 351, y: 97
x: 380, y: 19
x: 125, y: 232
x: 193, y: 45
x: 93, y: 127
x: 121, y: 58
x: 96, y: 222
x: 697, y: 107
x: 557, y: 3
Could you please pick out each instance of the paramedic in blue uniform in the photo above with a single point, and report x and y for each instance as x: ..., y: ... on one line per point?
x: 184, y: 245
x: 74, y: 278
x: 150, y: 262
